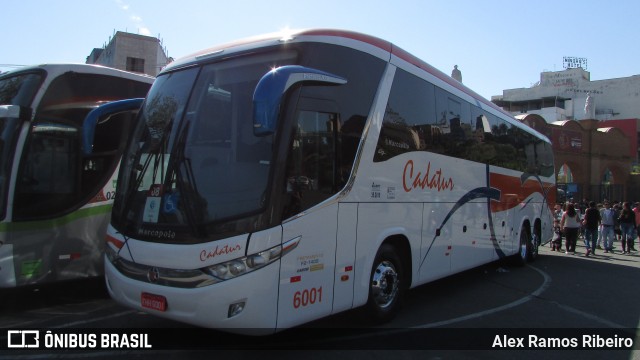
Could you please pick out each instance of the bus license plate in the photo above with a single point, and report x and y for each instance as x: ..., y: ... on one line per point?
x: 154, y: 302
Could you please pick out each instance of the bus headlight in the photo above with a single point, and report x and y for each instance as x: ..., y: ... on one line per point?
x: 237, y: 267
x: 219, y: 271
x: 111, y: 254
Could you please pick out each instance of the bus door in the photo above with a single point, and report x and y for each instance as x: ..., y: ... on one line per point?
x: 307, y: 273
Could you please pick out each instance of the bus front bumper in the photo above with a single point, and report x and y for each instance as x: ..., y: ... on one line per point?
x: 247, y: 304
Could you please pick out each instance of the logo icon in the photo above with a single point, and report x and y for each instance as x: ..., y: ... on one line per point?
x: 153, y: 275
x: 23, y: 339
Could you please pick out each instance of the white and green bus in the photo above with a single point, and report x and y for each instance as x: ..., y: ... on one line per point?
x: 58, y: 168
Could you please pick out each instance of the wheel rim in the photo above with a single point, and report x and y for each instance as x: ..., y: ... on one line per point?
x: 535, y: 242
x: 523, y: 247
x: 384, y: 284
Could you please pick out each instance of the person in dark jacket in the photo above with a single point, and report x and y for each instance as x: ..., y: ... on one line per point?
x: 627, y: 221
x: 591, y: 222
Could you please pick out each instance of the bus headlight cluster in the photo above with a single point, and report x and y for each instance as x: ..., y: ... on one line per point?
x: 237, y: 267
x: 194, y: 278
x: 111, y: 254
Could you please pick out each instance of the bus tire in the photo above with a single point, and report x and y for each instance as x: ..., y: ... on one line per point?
x: 386, y: 285
x: 535, y: 244
x: 524, y: 249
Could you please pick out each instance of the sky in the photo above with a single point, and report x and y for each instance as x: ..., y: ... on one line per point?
x: 497, y: 44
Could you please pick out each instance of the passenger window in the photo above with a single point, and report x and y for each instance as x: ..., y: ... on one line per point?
x: 110, y: 139
x: 454, y: 125
x: 410, y: 121
x: 422, y: 117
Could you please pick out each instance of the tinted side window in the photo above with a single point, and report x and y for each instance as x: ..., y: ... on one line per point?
x: 312, y: 167
x: 508, y: 144
x: 422, y: 117
x: 454, y: 125
x: 542, y: 155
x: 353, y: 99
x: 410, y: 122
x: 328, y: 124
x: 20, y: 89
x: 49, y: 174
x: 54, y: 178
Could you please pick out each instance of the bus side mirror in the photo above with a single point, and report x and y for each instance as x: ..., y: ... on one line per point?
x: 274, y: 84
x: 15, y: 111
x: 104, y: 112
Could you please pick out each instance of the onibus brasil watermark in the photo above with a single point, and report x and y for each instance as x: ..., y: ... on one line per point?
x: 37, y: 339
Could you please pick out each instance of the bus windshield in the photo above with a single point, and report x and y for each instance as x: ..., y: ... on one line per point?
x: 19, y: 89
x: 195, y: 159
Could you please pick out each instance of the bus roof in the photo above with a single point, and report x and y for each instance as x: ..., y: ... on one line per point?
x: 386, y: 47
x: 57, y: 69
x: 306, y: 35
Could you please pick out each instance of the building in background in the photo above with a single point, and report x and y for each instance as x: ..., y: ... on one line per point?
x: 571, y: 95
x: 591, y: 162
x: 594, y: 127
x: 131, y: 52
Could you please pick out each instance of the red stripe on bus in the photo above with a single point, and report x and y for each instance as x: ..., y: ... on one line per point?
x: 513, y: 192
x: 118, y: 243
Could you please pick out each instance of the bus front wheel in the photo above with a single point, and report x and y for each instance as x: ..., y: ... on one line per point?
x: 386, y: 285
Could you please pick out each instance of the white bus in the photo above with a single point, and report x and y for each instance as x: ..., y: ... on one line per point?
x: 282, y: 179
x: 58, y: 171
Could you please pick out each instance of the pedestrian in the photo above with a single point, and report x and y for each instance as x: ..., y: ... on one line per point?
x: 556, y: 242
x: 582, y: 209
x: 617, y: 206
x: 584, y: 205
x: 599, y: 246
x: 591, y: 222
x: 627, y: 221
x: 608, y: 218
x: 570, y: 223
x: 557, y: 211
x: 636, y: 210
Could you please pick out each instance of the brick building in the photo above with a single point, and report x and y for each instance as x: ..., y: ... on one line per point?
x: 594, y: 126
x: 591, y: 161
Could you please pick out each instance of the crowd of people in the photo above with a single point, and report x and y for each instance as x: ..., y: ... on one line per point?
x: 600, y: 225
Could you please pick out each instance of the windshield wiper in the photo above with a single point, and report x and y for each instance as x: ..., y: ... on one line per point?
x: 134, y: 186
x: 193, y: 204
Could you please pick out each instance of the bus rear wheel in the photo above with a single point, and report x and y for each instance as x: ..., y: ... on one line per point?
x: 386, y: 285
x: 527, y: 251
x: 535, y: 245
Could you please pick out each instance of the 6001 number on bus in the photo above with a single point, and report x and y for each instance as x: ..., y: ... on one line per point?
x: 307, y: 297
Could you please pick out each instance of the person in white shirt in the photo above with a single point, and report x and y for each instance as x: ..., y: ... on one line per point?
x: 608, y: 216
x: 570, y: 222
